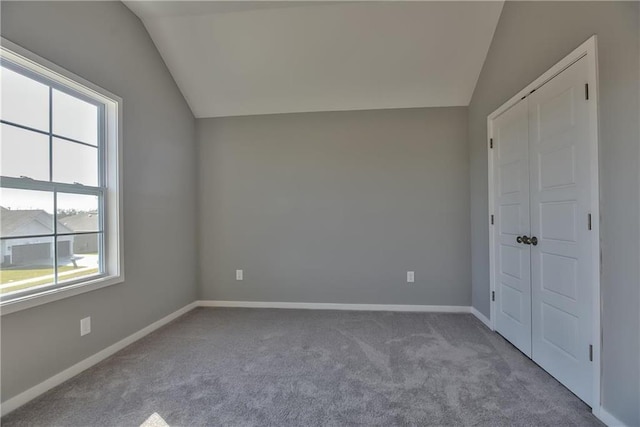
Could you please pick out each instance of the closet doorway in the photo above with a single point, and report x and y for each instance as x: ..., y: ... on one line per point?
x: 543, y: 202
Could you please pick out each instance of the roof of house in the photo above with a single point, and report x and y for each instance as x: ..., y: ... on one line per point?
x: 11, y: 221
x: 83, y: 221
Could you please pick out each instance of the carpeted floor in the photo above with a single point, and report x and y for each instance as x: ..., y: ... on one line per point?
x: 261, y: 367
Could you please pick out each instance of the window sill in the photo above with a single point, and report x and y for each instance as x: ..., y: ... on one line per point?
x: 73, y: 289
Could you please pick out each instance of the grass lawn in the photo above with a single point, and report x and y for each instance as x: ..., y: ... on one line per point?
x: 14, y: 275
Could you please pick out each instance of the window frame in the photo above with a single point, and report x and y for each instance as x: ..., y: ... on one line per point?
x: 109, y: 183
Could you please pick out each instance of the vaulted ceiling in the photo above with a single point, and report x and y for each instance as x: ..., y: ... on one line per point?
x: 234, y: 58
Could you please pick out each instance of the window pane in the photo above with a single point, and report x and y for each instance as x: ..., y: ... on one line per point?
x: 24, y: 100
x: 74, y: 118
x: 78, y: 256
x: 77, y: 213
x: 74, y: 162
x: 26, y: 263
x: 24, y: 153
x: 25, y: 212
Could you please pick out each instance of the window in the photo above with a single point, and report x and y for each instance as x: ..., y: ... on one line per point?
x: 60, y: 198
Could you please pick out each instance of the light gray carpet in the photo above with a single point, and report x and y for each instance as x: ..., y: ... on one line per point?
x: 255, y: 367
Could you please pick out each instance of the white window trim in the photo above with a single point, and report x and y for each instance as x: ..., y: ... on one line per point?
x: 113, y: 224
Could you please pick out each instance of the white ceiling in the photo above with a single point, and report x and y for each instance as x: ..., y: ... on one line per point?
x: 246, y: 57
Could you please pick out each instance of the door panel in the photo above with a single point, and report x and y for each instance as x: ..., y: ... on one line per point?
x: 560, y: 185
x: 558, y: 221
x: 511, y: 182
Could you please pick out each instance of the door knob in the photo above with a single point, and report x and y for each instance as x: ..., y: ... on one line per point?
x: 519, y: 239
x: 526, y: 240
x: 534, y: 240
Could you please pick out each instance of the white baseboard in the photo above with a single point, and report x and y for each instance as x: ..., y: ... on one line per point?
x: 35, y: 391
x: 604, y: 416
x: 481, y: 317
x: 337, y: 306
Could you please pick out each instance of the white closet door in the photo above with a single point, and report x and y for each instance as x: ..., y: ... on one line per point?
x: 512, y: 259
x: 561, y: 281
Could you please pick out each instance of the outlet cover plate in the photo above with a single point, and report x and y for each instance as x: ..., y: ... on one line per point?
x: 85, y: 326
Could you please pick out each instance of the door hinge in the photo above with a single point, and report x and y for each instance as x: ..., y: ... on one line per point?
x: 590, y: 352
x: 493, y: 295
x: 586, y: 91
x: 589, y: 222
x: 490, y: 142
x: 491, y: 219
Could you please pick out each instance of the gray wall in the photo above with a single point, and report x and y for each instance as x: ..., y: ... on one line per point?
x: 106, y: 44
x: 529, y: 39
x: 336, y: 207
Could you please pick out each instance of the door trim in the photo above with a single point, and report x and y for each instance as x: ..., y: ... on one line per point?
x: 587, y: 49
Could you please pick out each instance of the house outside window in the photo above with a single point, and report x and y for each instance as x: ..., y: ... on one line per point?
x: 60, y: 182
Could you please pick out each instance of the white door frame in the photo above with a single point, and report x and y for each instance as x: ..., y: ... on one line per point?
x: 587, y: 49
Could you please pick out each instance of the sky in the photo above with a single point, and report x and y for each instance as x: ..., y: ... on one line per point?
x: 26, y: 153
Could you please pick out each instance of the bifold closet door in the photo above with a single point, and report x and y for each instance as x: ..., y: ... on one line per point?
x: 511, y: 195
x: 560, y: 194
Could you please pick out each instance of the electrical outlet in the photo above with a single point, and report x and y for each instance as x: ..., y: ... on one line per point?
x: 85, y: 326
x: 239, y: 275
x: 411, y: 277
